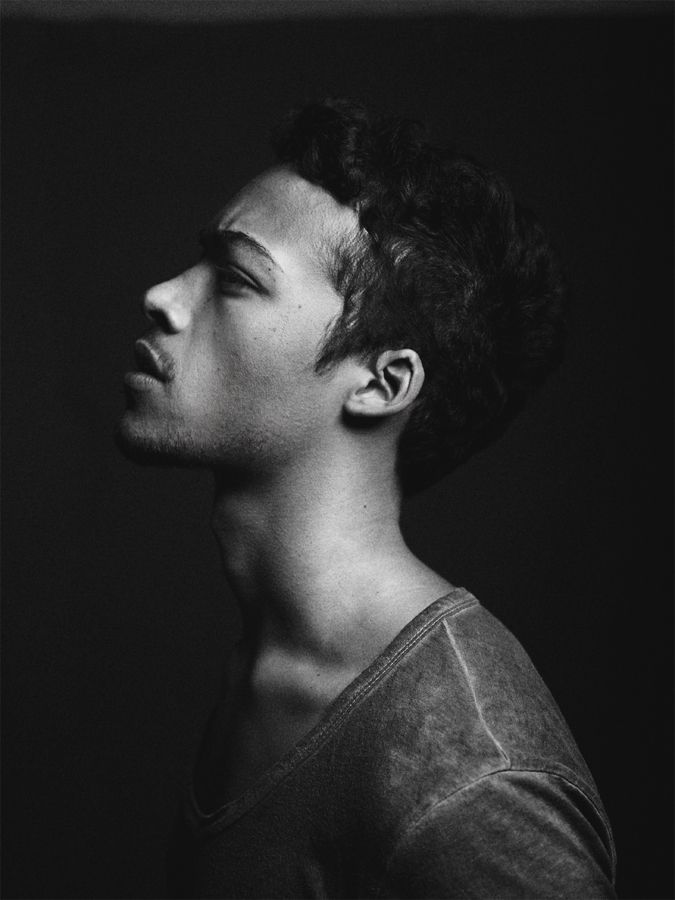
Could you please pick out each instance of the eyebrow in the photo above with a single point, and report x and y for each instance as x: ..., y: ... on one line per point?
x: 216, y: 241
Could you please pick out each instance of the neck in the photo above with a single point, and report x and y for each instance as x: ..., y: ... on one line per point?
x: 318, y: 564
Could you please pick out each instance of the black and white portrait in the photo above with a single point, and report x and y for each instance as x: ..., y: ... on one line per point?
x: 337, y: 444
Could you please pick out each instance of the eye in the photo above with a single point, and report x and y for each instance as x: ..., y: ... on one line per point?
x: 229, y: 279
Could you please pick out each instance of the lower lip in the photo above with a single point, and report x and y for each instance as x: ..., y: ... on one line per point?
x: 141, y: 381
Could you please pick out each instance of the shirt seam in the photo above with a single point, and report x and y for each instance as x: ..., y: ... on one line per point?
x: 469, y: 681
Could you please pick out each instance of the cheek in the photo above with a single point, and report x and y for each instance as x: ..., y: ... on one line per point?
x: 253, y: 355
x: 282, y: 350
x: 297, y: 340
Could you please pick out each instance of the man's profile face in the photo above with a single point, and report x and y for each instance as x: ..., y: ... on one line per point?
x: 235, y: 338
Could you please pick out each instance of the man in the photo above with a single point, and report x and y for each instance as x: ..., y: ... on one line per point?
x: 366, y: 314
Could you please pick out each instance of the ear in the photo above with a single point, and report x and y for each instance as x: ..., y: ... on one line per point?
x: 390, y: 386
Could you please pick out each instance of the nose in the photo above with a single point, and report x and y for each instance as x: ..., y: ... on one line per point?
x: 167, y: 305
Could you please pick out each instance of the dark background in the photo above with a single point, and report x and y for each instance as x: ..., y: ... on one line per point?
x: 120, y: 139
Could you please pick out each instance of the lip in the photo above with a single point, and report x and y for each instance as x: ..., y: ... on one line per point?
x: 141, y: 381
x: 151, y: 361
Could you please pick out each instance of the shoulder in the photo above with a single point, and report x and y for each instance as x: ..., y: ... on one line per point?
x: 464, y: 713
x: 507, y: 697
x: 464, y: 692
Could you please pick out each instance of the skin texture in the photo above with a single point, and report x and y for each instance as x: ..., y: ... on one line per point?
x: 242, y: 340
x: 306, y: 504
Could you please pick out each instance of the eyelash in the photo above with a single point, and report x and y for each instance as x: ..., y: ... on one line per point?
x: 228, y: 276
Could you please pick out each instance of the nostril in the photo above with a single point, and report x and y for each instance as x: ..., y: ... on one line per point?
x: 156, y: 317
x: 156, y: 307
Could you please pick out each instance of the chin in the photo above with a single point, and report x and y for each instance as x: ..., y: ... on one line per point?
x: 147, y: 449
x: 149, y: 442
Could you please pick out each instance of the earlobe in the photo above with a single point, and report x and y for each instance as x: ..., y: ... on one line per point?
x: 390, y: 386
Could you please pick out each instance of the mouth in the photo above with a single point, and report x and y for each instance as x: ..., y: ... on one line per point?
x: 152, y: 362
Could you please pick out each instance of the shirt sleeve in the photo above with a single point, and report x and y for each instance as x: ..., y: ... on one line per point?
x: 510, y: 834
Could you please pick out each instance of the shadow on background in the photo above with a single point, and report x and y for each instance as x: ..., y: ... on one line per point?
x: 120, y: 140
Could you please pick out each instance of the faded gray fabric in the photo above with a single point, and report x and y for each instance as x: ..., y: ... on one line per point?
x: 444, y: 770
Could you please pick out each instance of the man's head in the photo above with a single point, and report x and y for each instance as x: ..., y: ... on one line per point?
x: 369, y: 278
x: 236, y: 336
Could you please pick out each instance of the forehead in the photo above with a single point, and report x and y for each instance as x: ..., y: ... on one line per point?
x: 298, y: 222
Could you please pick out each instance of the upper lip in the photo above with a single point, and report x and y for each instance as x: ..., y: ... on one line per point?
x: 151, y: 360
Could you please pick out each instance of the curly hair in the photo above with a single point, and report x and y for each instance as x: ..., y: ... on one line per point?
x: 447, y: 264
